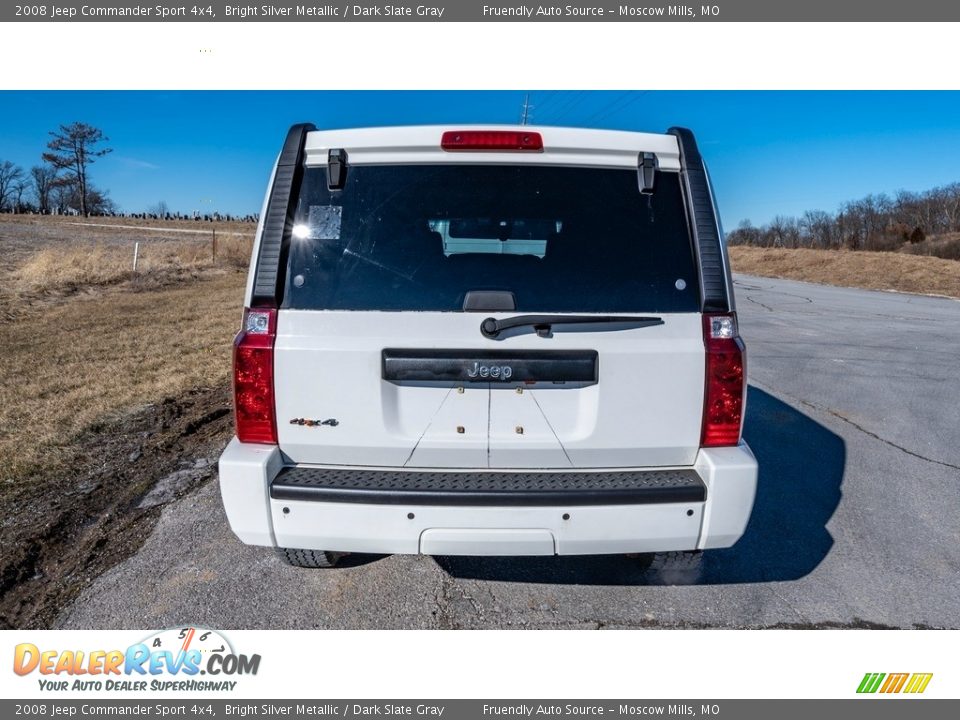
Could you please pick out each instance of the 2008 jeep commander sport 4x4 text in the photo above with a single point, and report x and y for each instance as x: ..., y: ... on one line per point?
x: 488, y: 341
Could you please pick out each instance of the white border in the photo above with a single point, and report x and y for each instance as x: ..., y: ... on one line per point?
x: 490, y: 55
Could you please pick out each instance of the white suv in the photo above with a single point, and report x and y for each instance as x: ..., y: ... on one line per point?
x: 488, y: 341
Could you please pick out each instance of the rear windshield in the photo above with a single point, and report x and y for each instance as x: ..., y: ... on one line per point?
x: 420, y: 237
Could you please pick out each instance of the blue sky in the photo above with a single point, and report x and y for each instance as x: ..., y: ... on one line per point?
x: 769, y: 152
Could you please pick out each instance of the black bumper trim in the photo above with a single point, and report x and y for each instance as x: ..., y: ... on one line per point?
x: 516, y: 488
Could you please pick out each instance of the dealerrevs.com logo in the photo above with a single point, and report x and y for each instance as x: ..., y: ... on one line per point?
x: 910, y: 683
x: 168, y: 660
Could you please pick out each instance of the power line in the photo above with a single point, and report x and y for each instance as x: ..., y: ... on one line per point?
x: 550, y: 97
x: 564, y: 101
x: 566, y: 104
x: 616, y: 106
x: 618, y: 99
x: 631, y: 101
x: 577, y: 99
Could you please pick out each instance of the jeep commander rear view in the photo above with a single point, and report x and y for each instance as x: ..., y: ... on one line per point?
x: 488, y: 341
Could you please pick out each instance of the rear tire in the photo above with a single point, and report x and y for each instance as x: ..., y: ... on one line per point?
x: 310, y: 558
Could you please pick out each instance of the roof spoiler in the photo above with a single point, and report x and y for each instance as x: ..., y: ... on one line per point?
x: 278, y: 222
x: 704, y: 224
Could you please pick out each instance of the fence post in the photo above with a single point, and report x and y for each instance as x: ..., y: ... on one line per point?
x: 214, y: 245
x: 136, y: 253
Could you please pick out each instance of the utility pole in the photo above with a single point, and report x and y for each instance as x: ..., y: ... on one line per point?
x: 527, y: 107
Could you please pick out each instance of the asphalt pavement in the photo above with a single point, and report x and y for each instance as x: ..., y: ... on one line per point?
x: 854, y: 415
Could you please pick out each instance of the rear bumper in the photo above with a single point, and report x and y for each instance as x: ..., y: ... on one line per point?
x: 487, y: 513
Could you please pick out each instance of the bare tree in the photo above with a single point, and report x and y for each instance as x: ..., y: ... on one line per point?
x: 949, y: 197
x: 818, y: 228
x: 67, y: 199
x: 20, y: 187
x: 746, y: 234
x: 73, y: 149
x: 10, y: 175
x: 61, y: 197
x: 778, y: 228
x: 44, y: 177
x: 161, y: 209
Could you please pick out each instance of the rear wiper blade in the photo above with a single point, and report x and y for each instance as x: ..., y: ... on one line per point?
x: 543, y: 324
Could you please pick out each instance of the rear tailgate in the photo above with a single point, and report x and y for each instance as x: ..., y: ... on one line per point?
x: 643, y: 409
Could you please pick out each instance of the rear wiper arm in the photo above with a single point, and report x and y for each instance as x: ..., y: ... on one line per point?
x: 543, y: 324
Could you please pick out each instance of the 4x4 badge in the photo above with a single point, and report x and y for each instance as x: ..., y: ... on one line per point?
x: 332, y: 422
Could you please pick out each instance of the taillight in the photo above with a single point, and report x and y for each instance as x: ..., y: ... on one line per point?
x: 491, y: 140
x: 725, y: 382
x: 253, y: 400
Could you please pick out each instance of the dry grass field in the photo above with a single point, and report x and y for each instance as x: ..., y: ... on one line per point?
x: 870, y: 270
x: 76, y: 266
x: 87, y: 339
x: 70, y: 365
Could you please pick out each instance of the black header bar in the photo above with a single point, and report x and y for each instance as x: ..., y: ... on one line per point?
x: 478, y: 11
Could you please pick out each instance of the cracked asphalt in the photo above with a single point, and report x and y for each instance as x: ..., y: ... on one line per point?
x: 853, y: 414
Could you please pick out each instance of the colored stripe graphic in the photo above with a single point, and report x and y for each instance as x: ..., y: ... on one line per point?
x: 870, y: 682
x: 918, y: 682
x: 895, y: 683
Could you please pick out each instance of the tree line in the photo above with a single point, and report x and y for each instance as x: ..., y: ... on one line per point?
x: 61, y: 184
x: 875, y: 222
